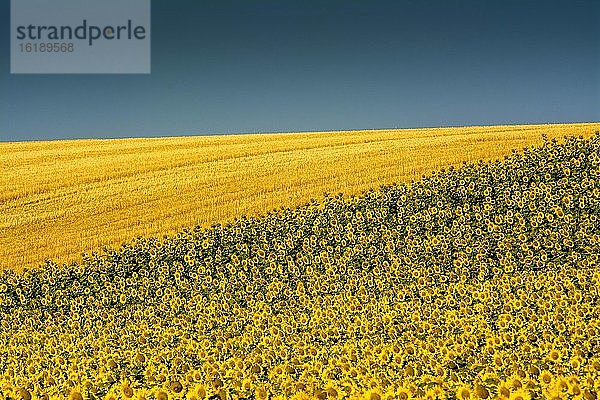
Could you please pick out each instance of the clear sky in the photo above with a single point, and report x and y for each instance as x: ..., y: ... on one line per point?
x: 225, y: 66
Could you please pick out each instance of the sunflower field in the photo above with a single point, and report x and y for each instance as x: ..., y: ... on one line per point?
x: 478, y: 282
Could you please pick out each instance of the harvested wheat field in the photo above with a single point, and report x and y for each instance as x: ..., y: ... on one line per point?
x: 63, y: 198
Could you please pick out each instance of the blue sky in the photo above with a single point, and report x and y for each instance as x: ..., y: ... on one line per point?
x: 227, y: 66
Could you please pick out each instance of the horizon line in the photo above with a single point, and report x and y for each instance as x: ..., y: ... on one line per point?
x: 262, y: 133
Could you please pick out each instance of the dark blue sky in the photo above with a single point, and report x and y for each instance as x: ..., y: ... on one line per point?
x: 227, y: 66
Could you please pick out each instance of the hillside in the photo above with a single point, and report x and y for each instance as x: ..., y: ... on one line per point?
x: 474, y: 283
x: 61, y: 199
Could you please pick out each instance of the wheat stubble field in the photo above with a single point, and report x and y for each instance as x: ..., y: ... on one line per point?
x: 60, y: 199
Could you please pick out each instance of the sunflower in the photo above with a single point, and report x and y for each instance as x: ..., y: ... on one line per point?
x: 160, y: 394
x: 332, y: 390
x: 175, y: 387
x: 373, y: 394
x: 481, y: 391
x: 75, y: 394
x: 430, y: 394
x: 199, y: 391
x: 464, y: 392
x: 546, y: 378
x: 515, y: 382
x: 261, y: 393
x: 574, y: 389
x: 24, y: 394
x: 554, y: 355
x: 503, y: 391
x: 403, y: 393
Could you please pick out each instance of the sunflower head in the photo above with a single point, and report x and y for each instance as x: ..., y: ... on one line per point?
x: 546, y: 378
x: 24, y: 394
x: 481, y: 392
x: 503, y: 391
x: 403, y: 393
x: 373, y: 394
x: 261, y: 393
x: 161, y: 395
x: 463, y: 392
x: 75, y: 395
